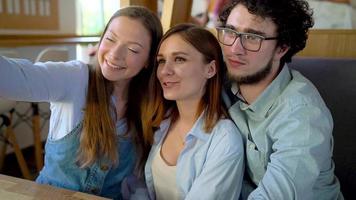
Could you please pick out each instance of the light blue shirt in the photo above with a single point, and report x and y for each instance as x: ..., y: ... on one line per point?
x: 289, y: 143
x: 210, y: 166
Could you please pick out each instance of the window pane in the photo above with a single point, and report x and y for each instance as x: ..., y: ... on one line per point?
x: 94, y: 14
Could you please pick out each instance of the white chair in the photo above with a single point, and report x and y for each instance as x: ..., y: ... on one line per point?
x: 53, y: 54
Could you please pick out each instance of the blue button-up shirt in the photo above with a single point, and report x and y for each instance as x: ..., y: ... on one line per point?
x: 211, y: 164
x: 289, y: 144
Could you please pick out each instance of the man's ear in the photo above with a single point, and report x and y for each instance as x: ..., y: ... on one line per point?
x: 211, y: 69
x: 280, y: 52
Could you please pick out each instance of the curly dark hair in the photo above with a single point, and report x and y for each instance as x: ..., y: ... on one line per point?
x: 293, y: 19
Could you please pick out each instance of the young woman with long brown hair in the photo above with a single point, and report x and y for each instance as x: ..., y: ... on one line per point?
x: 95, y: 138
x: 197, y: 151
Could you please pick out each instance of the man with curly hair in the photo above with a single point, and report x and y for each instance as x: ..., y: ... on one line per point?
x: 286, y: 126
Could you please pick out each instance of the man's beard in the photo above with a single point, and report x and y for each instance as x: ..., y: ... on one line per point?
x: 253, y: 78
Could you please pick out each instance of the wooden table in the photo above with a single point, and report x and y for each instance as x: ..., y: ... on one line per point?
x: 12, y: 188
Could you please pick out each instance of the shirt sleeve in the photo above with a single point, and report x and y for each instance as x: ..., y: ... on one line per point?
x: 21, y: 80
x: 223, y: 171
x: 301, y: 152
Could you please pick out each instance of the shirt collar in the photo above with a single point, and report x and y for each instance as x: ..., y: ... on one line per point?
x: 266, y: 99
x: 236, y: 91
x: 197, y: 130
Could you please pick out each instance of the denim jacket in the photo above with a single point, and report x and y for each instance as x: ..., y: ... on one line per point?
x: 102, y: 178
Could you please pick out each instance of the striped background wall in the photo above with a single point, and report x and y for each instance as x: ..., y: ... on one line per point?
x: 29, y: 14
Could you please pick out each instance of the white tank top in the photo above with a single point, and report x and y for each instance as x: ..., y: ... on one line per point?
x: 164, y: 179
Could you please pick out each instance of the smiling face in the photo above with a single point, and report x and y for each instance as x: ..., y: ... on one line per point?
x: 182, y: 71
x: 124, y: 49
x: 247, y: 67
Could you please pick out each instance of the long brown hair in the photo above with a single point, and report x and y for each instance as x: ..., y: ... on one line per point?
x: 98, y: 138
x: 157, y: 107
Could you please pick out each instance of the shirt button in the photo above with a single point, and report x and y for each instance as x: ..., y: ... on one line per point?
x: 104, y: 168
x: 252, y: 146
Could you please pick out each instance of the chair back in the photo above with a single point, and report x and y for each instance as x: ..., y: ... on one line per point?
x: 54, y: 54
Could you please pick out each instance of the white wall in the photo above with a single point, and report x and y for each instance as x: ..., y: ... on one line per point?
x: 67, y: 25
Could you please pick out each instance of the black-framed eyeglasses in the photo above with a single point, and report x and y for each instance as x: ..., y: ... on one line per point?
x: 249, y: 41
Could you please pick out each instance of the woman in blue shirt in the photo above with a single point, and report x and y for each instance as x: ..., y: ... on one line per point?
x: 95, y: 136
x: 197, y: 151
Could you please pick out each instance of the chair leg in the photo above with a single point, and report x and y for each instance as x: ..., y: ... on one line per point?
x: 3, y: 153
x: 36, y: 129
x: 5, y: 122
x: 10, y: 136
x: 20, y: 159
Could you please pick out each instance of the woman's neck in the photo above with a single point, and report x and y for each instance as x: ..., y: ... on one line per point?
x: 121, y: 95
x: 174, y: 142
x: 188, y: 112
